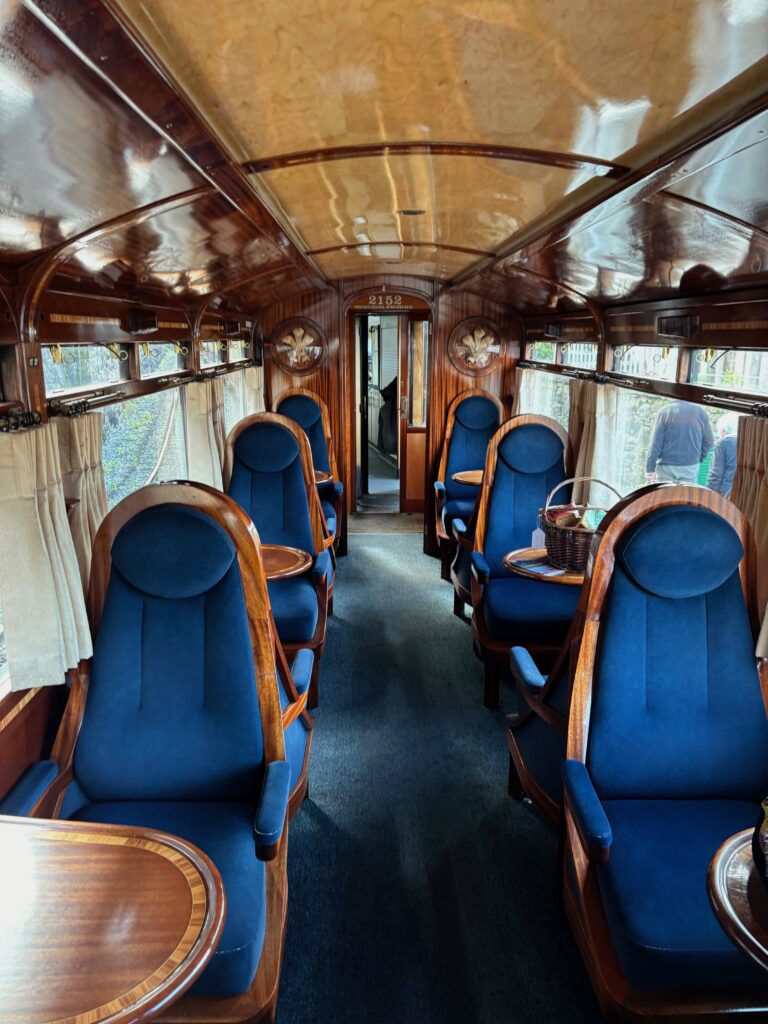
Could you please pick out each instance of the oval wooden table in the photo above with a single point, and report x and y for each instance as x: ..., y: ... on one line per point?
x: 321, y: 476
x: 738, y: 897
x: 538, y: 568
x: 101, y: 924
x: 281, y: 561
x: 472, y: 477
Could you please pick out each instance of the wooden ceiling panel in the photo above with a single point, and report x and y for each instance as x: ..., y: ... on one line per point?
x: 392, y: 258
x: 468, y: 202
x: 588, y: 76
x: 72, y: 155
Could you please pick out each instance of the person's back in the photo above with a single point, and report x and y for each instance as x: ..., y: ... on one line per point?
x: 682, y: 438
x: 723, y: 468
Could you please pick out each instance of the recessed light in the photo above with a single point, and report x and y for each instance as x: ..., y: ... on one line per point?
x: 411, y: 213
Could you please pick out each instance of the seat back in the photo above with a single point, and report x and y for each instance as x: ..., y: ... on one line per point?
x: 676, y: 708
x: 525, y: 461
x: 472, y: 422
x: 311, y: 415
x: 173, y: 711
x: 268, y: 471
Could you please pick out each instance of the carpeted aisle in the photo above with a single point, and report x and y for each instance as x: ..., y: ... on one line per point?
x: 419, y: 892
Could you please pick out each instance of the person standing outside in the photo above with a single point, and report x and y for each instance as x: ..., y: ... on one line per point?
x: 723, y: 468
x: 682, y: 438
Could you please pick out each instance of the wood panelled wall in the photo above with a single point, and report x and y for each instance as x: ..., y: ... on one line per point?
x: 335, y: 381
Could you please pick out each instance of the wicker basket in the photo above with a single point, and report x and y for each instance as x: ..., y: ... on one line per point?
x: 568, y: 547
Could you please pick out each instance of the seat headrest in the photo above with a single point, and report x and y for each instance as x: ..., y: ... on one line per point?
x: 532, y: 448
x: 304, y: 410
x: 680, y: 551
x: 266, y: 447
x: 172, y: 551
x: 477, y: 413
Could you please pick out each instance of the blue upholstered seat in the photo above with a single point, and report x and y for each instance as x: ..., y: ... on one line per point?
x: 172, y: 734
x: 517, y: 611
x: 29, y: 788
x: 476, y: 420
x: 268, y: 482
x: 329, y: 511
x: 307, y: 413
x: 677, y: 744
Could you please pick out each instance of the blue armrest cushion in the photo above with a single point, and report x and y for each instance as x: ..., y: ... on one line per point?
x: 338, y: 487
x: 439, y: 488
x: 480, y: 568
x: 323, y: 567
x: 588, y: 813
x: 273, y: 804
x: 301, y: 669
x: 524, y: 668
x: 459, y: 528
x: 20, y: 800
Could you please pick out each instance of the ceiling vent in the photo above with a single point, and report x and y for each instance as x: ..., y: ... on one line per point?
x: 677, y: 326
x: 553, y: 330
x: 141, y: 321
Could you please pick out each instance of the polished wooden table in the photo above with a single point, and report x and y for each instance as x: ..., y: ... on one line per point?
x: 321, y: 476
x: 473, y: 477
x: 538, y: 566
x: 281, y: 561
x: 101, y: 924
x: 739, y: 898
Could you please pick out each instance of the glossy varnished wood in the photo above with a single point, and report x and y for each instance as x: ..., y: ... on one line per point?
x: 472, y: 477
x: 101, y: 924
x: 565, y: 577
x: 739, y: 897
x: 281, y: 561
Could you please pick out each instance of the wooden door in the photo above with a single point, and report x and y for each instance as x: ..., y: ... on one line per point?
x: 414, y: 401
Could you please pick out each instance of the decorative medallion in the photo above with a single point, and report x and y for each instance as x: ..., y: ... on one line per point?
x: 475, y: 346
x: 298, y: 346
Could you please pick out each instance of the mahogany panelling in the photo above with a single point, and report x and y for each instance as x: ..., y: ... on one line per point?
x: 575, y: 328
x: 24, y: 723
x: 72, y: 318
x: 730, y: 322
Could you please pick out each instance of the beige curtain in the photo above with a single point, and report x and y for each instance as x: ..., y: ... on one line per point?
x: 41, y: 593
x: 524, y: 400
x: 591, y: 429
x: 205, y: 431
x: 82, y: 474
x: 254, y: 390
x: 750, y: 494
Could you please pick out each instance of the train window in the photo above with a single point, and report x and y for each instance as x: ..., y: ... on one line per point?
x: 156, y: 359
x: 144, y: 441
x: 234, y: 399
x: 418, y: 342
x: 657, y: 362
x: 580, y: 353
x: 72, y: 367
x: 731, y: 369
x: 5, y: 677
x: 547, y: 394
x: 211, y: 353
x: 543, y: 351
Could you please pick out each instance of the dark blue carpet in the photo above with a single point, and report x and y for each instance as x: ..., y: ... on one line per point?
x: 418, y: 890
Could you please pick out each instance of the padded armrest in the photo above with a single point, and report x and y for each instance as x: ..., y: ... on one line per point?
x: 323, y: 567
x: 23, y: 796
x: 439, y: 488
x: 301, y: 669
x: 588, y: 814
x: 338, y: 488
x: 480, y: 568
x: 459, y: 528
x: 524, y: 669
x: 273, y: 808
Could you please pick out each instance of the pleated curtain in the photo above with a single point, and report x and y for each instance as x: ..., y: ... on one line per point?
x: 41, y: 591
x: 206, y: 431
x: 524, y: 400
x: 82, y: 474
x: 750, y: 494
x: 591, y: 429
x: 254, y: 390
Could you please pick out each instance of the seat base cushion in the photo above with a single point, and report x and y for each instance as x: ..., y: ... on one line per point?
x: 330, y: 517
x: 457, y: 508
x: 654, y: 891
x: 294, y: 607
x: 225, y: 833
x: 528, y: 612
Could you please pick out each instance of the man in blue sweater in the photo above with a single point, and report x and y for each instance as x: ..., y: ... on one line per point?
x: 723, y: 467
x: 682, y: 438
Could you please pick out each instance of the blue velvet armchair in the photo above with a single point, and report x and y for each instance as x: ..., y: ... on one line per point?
x: 268, y: 471
x: 525, y: 461
x: 311, y: 413
x: 473, y: 418
x: 666, y: 756
x: 176, y: 722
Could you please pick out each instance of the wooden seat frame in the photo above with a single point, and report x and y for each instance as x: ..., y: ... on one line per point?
x: 447, y: 544
x: 618, y: 999
x: 494, y: 653
x: 258, y: 1004
x: 320, y: 536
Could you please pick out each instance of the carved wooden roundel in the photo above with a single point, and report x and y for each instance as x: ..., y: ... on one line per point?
x: 475, y: 346
x: 298, y: 346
